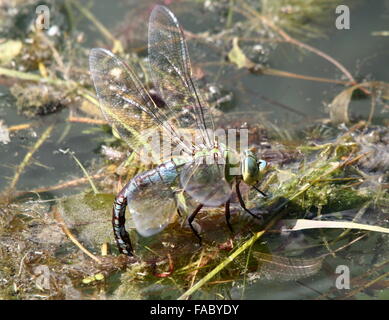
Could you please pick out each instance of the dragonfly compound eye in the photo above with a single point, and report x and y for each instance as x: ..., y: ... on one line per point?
x: 250, y: 172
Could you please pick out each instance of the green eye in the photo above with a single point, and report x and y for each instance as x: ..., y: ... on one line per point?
x: 250, y: 171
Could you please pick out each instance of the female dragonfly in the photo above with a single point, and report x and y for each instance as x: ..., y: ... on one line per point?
x: 202, y: 172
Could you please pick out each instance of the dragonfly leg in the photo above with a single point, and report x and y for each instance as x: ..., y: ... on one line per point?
x: 190, y: 220
x: 118, y: 222
x: 228, y: 215
x: 242, y: 204
x: 179, y: 212
x: 261, y: 192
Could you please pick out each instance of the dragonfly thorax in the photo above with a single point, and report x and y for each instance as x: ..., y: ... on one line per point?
x: 246, y: 166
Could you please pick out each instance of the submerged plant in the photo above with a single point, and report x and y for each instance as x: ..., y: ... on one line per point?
x: 326, y: 198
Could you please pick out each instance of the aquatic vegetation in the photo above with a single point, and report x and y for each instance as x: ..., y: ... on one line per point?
x: 326, y: 183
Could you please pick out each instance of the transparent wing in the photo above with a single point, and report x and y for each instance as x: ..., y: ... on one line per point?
x: 125, y: 103
x: 204, y: 180
x: 171, y: 74
x: 152, y: 208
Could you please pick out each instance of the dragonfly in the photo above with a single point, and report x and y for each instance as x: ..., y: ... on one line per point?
x: 202, y: 168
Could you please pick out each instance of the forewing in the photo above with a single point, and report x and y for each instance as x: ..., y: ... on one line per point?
x: 206, y: 182
x: 152, y: 207
x: 172, y: 76
x: 125, y: 103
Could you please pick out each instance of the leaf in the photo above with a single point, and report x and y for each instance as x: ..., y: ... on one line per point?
x: 340, y: 105
x: 237, y: 56
x: 9, y: 50
x: 303, y: 224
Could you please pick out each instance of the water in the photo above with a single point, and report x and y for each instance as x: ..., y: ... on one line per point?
x: 364, y: 55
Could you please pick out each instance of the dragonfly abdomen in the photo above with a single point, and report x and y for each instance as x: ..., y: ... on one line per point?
x: 166, y: 173
x: 144, y: 195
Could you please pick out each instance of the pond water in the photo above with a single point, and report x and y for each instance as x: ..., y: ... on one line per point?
x: 285, y: 102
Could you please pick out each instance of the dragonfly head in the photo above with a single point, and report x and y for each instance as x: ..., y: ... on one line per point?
x: 252, y: 167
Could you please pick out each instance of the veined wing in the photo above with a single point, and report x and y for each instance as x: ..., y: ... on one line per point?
x: 171, y: 74
x: 152, y: 207
x: 204, y: 179
x: 126, y: 104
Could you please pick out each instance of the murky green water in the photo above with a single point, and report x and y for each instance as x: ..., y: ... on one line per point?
x: 363, y: 54
x: 273, y: 97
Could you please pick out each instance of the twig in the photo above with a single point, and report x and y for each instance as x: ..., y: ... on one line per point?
x: 86, y: 120
x: 289, y: 39
x: 28, y: 156
x: 95, y: 191
x: 286, y: 74
x: 196, y: 270
x: 21, y: 264
x: 19, y: 127
x: 64, y: 185
x: 65, y: 229
x: 33, y: 77
x: 117, y: 46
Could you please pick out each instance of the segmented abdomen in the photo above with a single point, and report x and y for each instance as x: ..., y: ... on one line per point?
x: 145, y: 183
